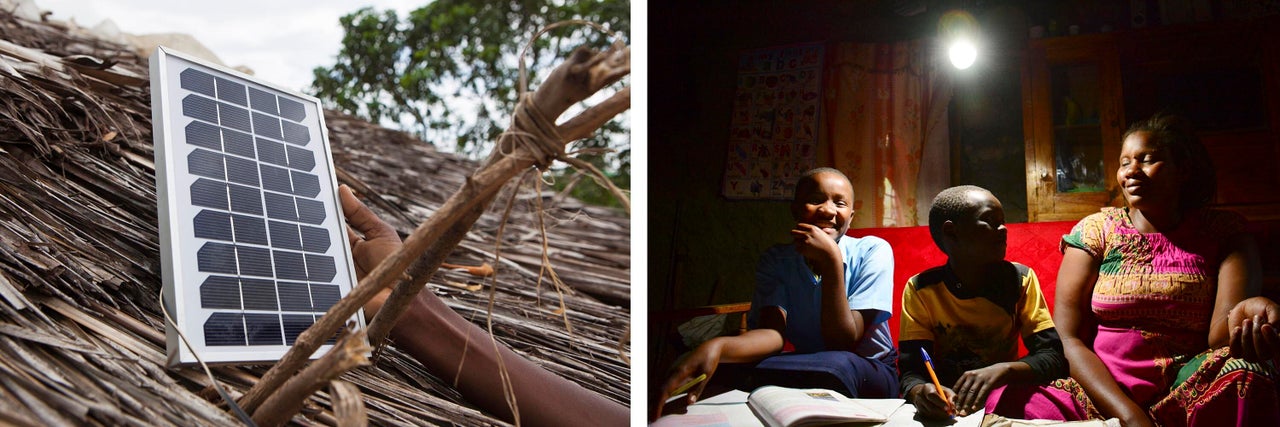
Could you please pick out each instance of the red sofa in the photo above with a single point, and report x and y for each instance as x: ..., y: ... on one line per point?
x: 1035, y: 245
x: 1032, y: 244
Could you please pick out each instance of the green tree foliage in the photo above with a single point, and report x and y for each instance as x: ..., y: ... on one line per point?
x: 448, y: 72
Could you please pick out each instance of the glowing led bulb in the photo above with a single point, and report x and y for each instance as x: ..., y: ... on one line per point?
x: 962, y: 53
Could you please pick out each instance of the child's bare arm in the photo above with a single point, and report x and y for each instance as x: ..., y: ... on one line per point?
x: 751, y: 346
x: 438, y: 338
x: 842, y: 328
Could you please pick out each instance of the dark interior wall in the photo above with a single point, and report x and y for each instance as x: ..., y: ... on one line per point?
x: 698, y: 239
x: 987, y: 146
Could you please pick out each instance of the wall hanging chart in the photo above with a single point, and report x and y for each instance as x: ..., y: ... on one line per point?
x: 774, y: 130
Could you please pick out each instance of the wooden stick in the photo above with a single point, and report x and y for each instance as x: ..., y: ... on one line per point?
x: 477, y: 191
x: 348, y: 354
x: 582, y: 125
x: 348, y: 404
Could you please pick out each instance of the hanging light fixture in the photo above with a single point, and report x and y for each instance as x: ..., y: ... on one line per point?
x: 958, y: 31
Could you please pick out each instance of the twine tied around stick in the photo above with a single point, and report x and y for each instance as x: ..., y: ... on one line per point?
x: 532, y: 129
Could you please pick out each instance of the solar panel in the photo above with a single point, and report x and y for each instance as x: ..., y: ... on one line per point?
x: 253, y: 249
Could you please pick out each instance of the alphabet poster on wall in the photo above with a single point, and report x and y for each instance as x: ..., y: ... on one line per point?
x: 774, y: 131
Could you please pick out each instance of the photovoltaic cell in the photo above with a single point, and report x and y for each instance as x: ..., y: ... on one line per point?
x: 272, y: 152
x: 209, y: 194
x: 254, y: 261
x: 295, y: 296
x: 207, y: 164
x: 231, y: 91
x: 234, y: 117
x: 275, y: 179
x: 245, y: 199
x: 305, y: 184
x: 301, y: 159
x: 198, y: 82
x: 294, y: 324
x: 263, y: 101
x: 254, y: 244
x: 199, y: 107
x: 295, y: 133
x: 242, y: 171
x: 238, y: 143
x: 292, y: 110
x: 250, y: 229
x: 268, y: 126
x: 224, y: 328
x: 291, y: 265
x: 263, y: 329
x: 320, y: 268
x: 315, y: 239
x: 285, y: 235
x: 217, y: 258
x: 310, y: 211
x: 205, y: 135
x: 221, y: 292
x: 324, y: 296
x: 259, y: 294
x: 280, y: 206
x: 213, y: 225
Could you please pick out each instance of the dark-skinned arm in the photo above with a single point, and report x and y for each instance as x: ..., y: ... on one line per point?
x: 1239, y: 277
x: 1073, y: 315
x: 842, y: 328
x: 751, y: 346
x: 450, y: 347
x: 1044, y: 357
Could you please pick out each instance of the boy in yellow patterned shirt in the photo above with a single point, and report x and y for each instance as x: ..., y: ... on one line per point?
x: 970, y: 312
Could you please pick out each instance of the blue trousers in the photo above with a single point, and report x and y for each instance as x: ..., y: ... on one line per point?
x: 842, y: 371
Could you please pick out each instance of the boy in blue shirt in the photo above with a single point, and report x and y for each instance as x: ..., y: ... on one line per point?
x: 824, y: 292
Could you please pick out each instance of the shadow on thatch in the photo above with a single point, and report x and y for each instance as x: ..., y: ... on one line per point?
x: 81, y: 338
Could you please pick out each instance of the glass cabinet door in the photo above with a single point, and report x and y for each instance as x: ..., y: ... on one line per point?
x: 1077, y: 134
x: 1072, y: 120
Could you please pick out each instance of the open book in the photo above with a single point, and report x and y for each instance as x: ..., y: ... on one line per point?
x: 790, y: 407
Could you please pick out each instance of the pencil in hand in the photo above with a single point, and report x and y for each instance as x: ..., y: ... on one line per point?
x: 928, y: 365
x: 688, y: 385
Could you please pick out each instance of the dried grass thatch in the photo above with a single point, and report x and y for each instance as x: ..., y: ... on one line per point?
x: 81, y: 338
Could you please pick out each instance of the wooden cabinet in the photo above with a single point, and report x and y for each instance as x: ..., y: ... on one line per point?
x: 1072, y: 117
x: 1225, y: 79
x: 1081, y: 92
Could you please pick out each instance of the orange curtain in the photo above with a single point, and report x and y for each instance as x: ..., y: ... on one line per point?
x: 886, y: 127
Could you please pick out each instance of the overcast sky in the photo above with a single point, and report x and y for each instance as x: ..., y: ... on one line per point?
x: 281, y: 40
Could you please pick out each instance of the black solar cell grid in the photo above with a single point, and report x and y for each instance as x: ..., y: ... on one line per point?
x: 255, y: 195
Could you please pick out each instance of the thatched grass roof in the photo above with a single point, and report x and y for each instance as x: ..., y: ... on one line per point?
x: 81, y: 335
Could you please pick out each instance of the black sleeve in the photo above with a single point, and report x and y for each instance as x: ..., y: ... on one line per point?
x: 1045, y: 356
x: 911, y: 371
